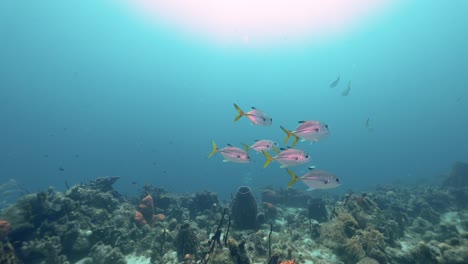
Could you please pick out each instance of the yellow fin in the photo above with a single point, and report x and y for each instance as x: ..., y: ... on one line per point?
x: 293, y: 176
x: 268, y: 157
x: 215, y: 149
x: 247, y: 147
x: 241, y: 113
x: 288, y: 134
x: 296, y: 139
x: 275, y: 149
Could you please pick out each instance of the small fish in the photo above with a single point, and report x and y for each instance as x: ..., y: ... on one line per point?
x: 61, y: 168
x: 316, y: 179
x: 307, y: 130
x: 261, y: 145
x: 287, y: 157
x: 335, y: 82
x: 134, y: 182
x: 230, y: 153
x: 256, y: 116
x: 347, y: 90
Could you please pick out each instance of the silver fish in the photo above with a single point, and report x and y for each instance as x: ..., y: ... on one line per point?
x: 307, y: 130
x: 316, y: 179
x: 256, y: 116
x: 347, y: 90
x: 261, y: 145
x: 287, y: 157
x: 231, y: 154
x: 335, y: 82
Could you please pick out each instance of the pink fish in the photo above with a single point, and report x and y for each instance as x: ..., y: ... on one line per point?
x: 316, y: 179
x: 261, y: 145
x: 307, y: 130
x: 257, y: 117
x: 288, y: 157
x: 230, y: 153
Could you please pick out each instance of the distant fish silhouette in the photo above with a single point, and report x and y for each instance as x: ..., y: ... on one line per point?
x: 335, y: 82
x: 61, y: 168
x: 347, y: 90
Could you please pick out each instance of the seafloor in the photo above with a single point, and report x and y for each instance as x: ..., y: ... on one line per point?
x: 93, y: 223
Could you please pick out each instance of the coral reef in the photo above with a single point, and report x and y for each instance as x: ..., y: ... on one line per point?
x: 145, y: 211
x: 92, y: 223
x: 186, y: 241
x: 7, y: 253
x: 4, y: 229
x: 458, y: 177
x: 244, y: 209
x: 317, y: 210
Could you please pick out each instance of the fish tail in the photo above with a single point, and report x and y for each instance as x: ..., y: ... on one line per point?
x: 215, y: 149
x: 241, y: 113
x: 288, y: 134
x: 247, y: 147
x: 268, y: 157
x: 296, y: 139
x: 293, y: 176
x: 276, y: 150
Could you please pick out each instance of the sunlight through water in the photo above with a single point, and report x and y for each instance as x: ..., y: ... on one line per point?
x: 261, y: 22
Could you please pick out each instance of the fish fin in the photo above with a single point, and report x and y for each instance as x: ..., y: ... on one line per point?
x: 311, y: 168
x: 268, y: 157
x: 241, y: 113
x: 215, y: 149
x: 293, y: 176
x: 288, y: 134
x: 296, y: 139
x: 247, y: 147
x: 275, y: 149
x: 310, y: 189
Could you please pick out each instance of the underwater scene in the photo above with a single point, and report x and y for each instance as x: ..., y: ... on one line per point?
x: 233, y: 132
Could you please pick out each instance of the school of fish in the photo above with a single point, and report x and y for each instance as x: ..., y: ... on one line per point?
x: 288, y: 156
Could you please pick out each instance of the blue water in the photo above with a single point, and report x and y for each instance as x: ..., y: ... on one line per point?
x: 89, y: 87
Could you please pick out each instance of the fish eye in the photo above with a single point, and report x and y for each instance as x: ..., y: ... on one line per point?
x: 337, y: 180
x: 238, y: 156
x: 307, y: 156
x: 264, y: 119
x: 317, y: 130
x: 271, y: 119
x: 326, y: 126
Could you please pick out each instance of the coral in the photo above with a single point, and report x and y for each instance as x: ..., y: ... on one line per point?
x: 244, y: 209
x: 238, y: 252
x: 368, y: 260
x: 4, y: 229
x: 105, y: 254
x: 202, y: 201
x: 317, y: 210
x: 270, y: 196
x: 425, y: 254
x: 7, y: 253
x: 186, y: 241
x: 45, y: 250
x: 145, y: 213
x: 458, y: 177
x: 159, y: 217
x: 270, y: 210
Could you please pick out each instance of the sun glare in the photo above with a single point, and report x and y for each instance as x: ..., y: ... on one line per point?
x: 260, y: 21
